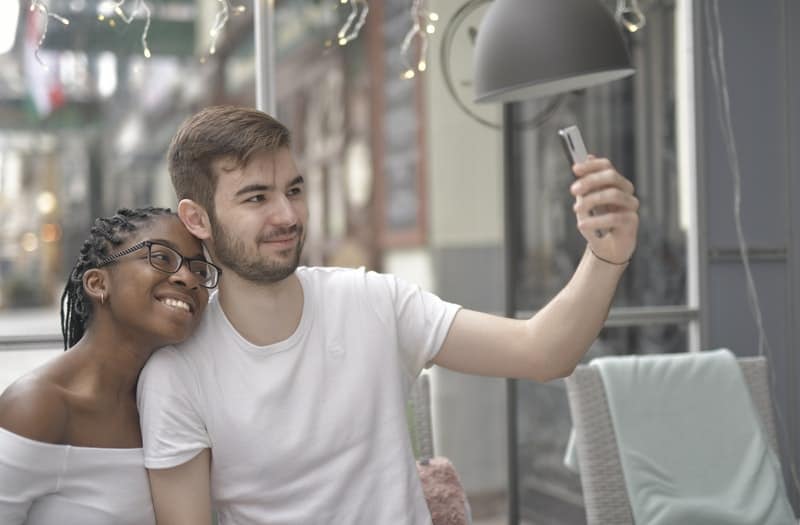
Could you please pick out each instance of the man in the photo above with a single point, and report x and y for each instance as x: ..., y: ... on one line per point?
x: 288, y: 403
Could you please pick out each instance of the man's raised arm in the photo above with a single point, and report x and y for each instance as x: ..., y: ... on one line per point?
x: 551, y: 343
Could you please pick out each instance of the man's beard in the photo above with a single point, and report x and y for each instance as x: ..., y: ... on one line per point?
x: 232, y: 253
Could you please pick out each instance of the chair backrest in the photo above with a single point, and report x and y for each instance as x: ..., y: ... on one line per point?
x: 604, y: 493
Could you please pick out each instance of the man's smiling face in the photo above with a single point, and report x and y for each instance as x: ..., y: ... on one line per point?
x: 259, y: 217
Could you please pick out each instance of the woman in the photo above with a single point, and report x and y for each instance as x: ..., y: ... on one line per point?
x: 70, y: 446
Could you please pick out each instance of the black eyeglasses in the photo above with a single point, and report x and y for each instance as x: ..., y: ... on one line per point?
x: 165, y: 259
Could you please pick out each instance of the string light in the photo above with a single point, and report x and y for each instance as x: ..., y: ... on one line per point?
x: 424, y: 24
x: 140, y: 5
x: 421, y: 17
x: 42, y: 8
x: 629, y: 15
x: 355, y: 21
x: 220, y: 20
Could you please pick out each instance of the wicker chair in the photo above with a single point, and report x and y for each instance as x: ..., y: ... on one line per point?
x: 604, y: 492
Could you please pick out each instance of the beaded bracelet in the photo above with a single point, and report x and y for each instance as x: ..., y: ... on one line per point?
x: 607, y: 261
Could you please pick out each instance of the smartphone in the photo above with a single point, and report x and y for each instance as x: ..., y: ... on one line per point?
x: 575, y: 149
x: 572, y: 140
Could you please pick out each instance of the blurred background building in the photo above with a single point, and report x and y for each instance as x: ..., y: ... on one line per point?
x: 405, y: 175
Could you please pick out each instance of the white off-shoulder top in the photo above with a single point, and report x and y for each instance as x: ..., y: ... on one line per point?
x: 45, y: 484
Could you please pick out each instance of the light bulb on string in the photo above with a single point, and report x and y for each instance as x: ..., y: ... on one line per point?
x: 41, y: 6
x: 220, y: 20
x: 141, y: 5
x: 629, y: 15
x: 354, y: 23
x: 421, y: 17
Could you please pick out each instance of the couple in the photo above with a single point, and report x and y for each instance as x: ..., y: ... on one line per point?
x: 281, y: 399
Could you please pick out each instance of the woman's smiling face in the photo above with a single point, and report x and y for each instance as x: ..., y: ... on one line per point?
x: 147, y: 303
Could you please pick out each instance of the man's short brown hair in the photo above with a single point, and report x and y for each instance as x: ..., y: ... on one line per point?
x: 215, y: 133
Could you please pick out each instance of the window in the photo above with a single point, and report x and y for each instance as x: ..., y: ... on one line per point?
x: 634, y: 123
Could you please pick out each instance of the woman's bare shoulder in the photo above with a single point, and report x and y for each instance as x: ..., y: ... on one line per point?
x: 35, y: 407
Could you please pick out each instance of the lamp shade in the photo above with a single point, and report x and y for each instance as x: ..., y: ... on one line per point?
x: 531, y: 48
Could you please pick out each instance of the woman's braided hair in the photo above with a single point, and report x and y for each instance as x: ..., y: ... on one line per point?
x: 106, y: 234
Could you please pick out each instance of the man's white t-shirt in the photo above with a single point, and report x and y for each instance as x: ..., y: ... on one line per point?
x: 312, y: 429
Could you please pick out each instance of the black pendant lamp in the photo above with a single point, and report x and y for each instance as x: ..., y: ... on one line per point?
x: 532, y: 48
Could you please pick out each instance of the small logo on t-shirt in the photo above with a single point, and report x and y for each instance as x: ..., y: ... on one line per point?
x: 335, y: 349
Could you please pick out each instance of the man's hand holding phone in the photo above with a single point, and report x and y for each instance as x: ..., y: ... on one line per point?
x: 605, y: 206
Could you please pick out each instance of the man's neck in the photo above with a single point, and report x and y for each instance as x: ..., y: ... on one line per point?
x: 262, y: 313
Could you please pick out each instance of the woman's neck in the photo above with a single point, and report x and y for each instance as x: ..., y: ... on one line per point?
x: 106, y: 365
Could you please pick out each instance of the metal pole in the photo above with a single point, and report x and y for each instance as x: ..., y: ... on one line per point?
x: 513, y: 223
x: 264, y: 27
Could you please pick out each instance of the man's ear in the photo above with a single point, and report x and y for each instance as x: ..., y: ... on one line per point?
x: 95, y: 284
x: 195, y: 218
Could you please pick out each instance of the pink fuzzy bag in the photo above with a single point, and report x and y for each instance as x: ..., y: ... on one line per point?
x: 444, y: 493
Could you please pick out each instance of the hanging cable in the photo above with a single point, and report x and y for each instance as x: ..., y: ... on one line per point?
x: 716, y: 58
